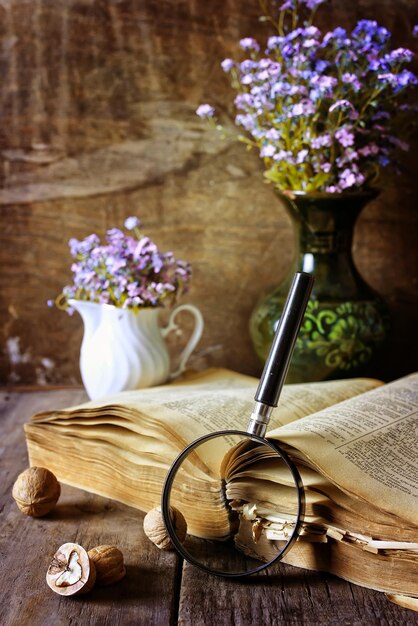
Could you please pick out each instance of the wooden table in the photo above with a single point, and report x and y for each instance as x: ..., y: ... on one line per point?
x: 159, y: 588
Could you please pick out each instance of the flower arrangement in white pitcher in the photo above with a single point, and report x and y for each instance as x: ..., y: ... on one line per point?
x: 118, y: 289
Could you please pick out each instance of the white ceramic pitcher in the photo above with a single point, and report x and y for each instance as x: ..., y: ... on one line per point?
x: 123, y: 349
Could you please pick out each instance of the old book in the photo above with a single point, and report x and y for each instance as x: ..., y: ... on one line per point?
x: 354, y: 441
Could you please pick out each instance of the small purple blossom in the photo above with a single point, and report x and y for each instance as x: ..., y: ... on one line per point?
x: 248, y: 43
x: 313, y: 4
x: 274, y: 42
x: 369, y: 150
x: 347, y: 179
x: 415, y: 31
x: 205, y: 110
x: 227, y: 65
x: 345, y: 137
x: 132, y: 222
x: 321, y: 141
x: 289, y: 5
x: 400, y: 54
x: 267, y: 151
x: 351, y: 79
x: 273, y: 134
x: 301, y: 155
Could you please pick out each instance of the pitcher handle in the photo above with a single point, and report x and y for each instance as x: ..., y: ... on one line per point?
x: 194, y: 339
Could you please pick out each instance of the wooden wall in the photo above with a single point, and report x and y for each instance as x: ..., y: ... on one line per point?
x: 97, y: 102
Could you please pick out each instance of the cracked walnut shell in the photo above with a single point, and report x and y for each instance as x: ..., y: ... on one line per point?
x: 155, y: 529
x: 108, y: 561
x: 71, y: 571
x: 36, y: 491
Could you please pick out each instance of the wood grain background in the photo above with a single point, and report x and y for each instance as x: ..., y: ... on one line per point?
x: 97, y: 104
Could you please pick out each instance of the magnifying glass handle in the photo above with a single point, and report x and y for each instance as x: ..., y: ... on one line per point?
x: 278, y: 361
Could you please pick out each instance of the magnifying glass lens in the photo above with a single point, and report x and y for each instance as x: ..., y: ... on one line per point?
x: 241, y: 498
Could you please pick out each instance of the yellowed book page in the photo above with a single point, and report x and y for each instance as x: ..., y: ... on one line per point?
x: 193, y: 411
x: 217, y: 399
x: 297, y: 401
x: 367, y: 446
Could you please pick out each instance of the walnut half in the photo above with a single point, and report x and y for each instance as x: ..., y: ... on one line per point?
x: 71, y: 571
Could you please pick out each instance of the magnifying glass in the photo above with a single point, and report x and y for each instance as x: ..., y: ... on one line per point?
x: 240, y: 493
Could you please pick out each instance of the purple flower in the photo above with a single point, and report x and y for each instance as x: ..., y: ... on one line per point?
x: 383, y: 160
x: 415, y: 31
x: 321, y: 141
x: 284, y: 155
x: 368, y: 30
x: 205, y: 110
x: 273, y: 42
x: 369, y: 150
x: 310, y: 43
x: 313, y: 4
x: 334, y: 35
x: 289, y: 5
x: 247, y: 121
x: 273, y: 134
x: 345, y: 137
x: 267, y: 151
x: 227, y: 65
x: 248, y: 43
x: 406, y: 78
x: 132, y: 222
x: 400, y: 54
x: 115, y: 235
x: 301, y: 155
x: 302, y: 108
x: 243, y: 101
x: 351, y: 79
x: 246, y: 79
x: 347, y: 179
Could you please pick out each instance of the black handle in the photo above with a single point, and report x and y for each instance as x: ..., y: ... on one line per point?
x: 278, y: 361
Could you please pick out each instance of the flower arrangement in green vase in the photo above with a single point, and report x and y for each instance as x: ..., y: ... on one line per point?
x: 327, y: 112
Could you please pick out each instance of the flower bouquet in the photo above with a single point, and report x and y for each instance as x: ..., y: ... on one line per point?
x: 326, y: 111
x: 126, y: 271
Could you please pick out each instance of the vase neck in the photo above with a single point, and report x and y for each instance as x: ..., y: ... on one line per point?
x: 324, y: 242
x: 325, y: 224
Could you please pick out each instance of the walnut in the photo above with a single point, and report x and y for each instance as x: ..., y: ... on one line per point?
x: 108, y: 561
x: 36, y: 491
x: 71, y: 571
x: 156, y: 531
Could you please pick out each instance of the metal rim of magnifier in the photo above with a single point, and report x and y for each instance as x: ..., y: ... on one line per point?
x: 165, y: 502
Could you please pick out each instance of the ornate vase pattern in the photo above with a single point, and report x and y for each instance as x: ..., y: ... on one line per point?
x: 346, y: 322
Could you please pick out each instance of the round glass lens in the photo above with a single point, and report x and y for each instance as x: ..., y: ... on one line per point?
x: 242, y: 500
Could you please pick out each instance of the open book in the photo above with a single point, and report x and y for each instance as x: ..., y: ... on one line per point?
x: 354, y: 442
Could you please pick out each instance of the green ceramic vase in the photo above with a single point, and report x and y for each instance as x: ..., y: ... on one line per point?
x: 346, y: 322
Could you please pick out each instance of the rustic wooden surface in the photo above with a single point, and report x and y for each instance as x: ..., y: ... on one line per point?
x: 97, y: 110
x: 158, y: 589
